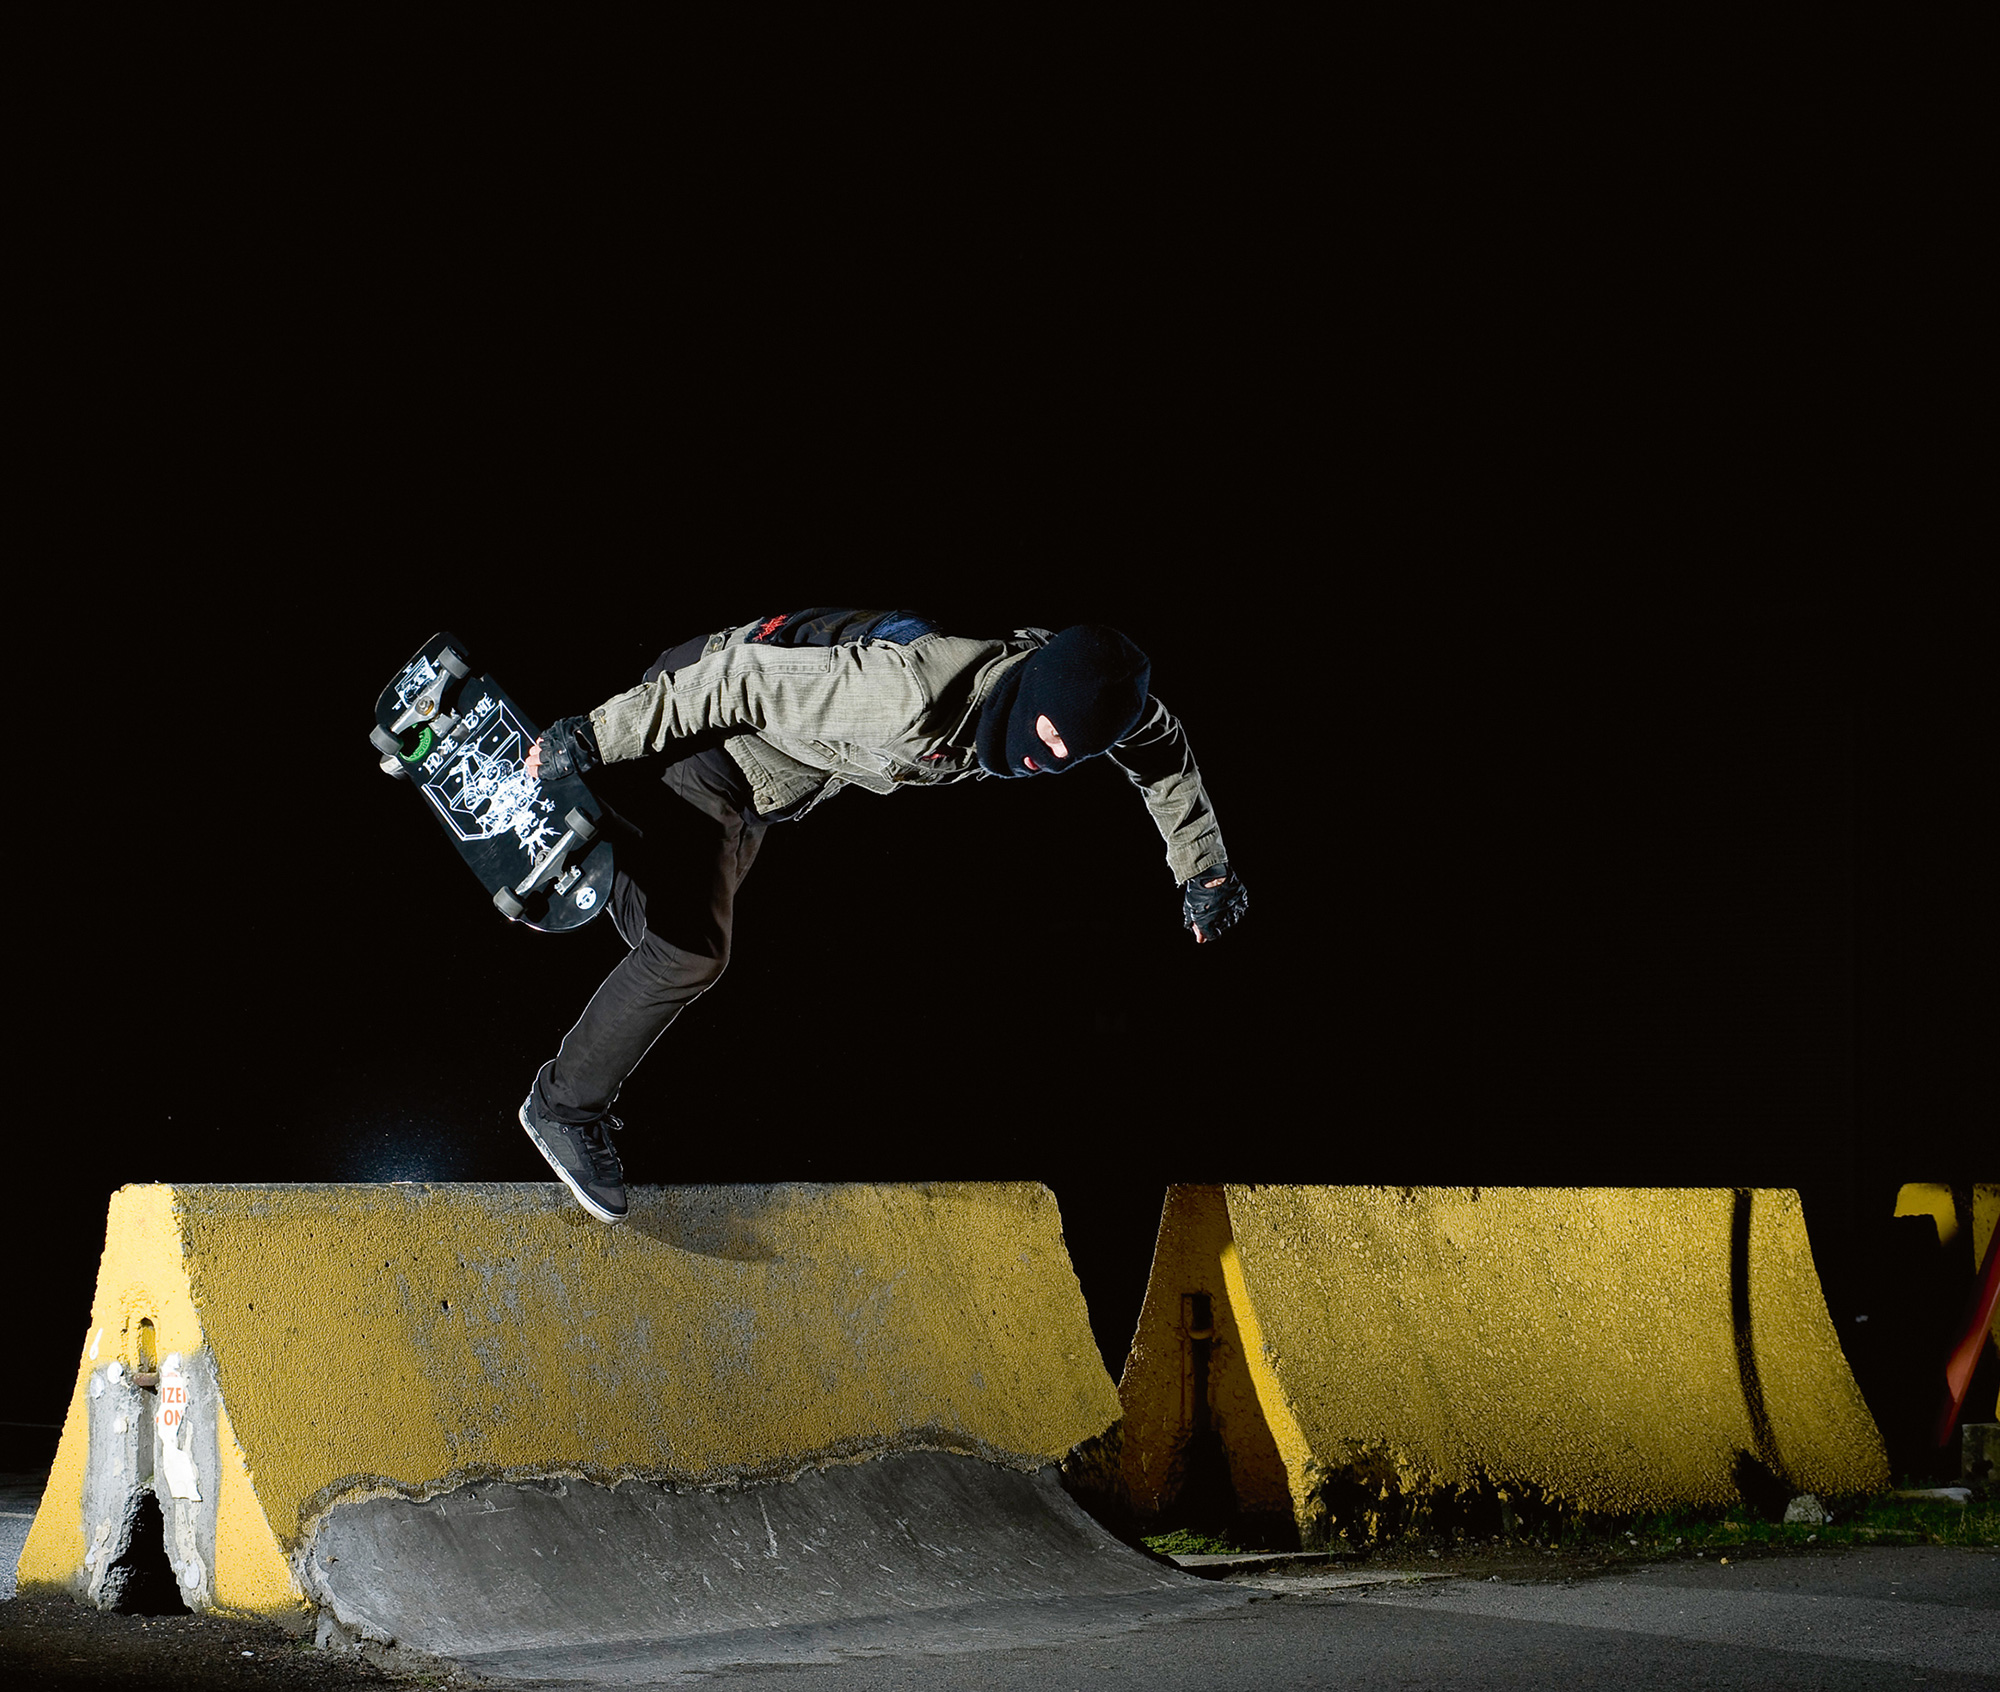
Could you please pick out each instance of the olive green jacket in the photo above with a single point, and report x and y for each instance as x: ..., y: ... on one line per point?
x: 805, y: 721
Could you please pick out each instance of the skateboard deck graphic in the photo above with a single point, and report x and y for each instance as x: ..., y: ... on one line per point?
x: 536, y: 846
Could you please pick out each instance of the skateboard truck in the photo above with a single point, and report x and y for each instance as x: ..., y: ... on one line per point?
x: 450, y: 668
x: 578, y: 832
x: 435, y: 732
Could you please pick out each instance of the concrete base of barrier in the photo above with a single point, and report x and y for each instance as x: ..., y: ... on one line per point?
x: 554, y: 1580
x: 1319, y: 1364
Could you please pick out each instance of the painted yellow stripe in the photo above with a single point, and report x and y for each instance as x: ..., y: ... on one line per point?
x: 1293, y: 1447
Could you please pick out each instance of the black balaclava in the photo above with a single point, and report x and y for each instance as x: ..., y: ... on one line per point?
x: 1090, y: 681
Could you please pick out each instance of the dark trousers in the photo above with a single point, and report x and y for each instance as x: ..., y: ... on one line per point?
x: 672, y: 901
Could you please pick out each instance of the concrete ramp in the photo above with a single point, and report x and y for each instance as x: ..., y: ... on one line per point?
x: 916, y: 1551
x: 469, y: 1418
x: 1319, y: 1358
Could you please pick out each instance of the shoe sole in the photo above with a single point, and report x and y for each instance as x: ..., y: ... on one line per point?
x: 568, y: 1180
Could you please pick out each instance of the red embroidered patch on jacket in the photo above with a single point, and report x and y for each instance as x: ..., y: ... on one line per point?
x: 771, y: 627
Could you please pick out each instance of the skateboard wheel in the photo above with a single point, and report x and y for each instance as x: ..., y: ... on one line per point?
x: 507, y: 905
x: 581, y: 826
x: 384, y: 742
x: 450, y: 660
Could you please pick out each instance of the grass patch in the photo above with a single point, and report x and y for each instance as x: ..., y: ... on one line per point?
x: 1719, y: 1532
x: 1683, y: 1533
x: 1878, y: 1521
x: 1185, y: 1542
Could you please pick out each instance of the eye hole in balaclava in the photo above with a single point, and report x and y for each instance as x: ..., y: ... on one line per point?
x: 1089, y: 681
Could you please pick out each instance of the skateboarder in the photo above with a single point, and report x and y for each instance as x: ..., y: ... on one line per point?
x: 759, y: 724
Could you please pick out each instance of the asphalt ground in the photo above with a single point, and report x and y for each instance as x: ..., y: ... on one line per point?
x: 1875, y: 1619
x: 19, y: 1494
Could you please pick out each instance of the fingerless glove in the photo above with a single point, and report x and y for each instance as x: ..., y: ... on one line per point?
x: 569, y: 748
x: 1214, y: 910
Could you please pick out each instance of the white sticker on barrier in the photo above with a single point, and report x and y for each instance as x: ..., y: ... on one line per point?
x: 172, y: 1421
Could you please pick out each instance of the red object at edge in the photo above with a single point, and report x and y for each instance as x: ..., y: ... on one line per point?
x: 1965, y: 1355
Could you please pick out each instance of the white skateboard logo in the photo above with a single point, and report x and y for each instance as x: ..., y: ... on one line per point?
x: 482, y: 785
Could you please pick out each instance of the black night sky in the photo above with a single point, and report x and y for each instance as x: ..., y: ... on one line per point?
x: 1546, y: 540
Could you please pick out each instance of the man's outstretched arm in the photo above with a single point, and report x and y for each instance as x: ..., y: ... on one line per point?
x: 1157, y: 758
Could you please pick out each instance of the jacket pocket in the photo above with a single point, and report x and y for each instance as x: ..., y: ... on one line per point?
x: 794, y: 660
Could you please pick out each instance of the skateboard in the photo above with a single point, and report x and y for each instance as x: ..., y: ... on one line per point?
x: 535, y: 845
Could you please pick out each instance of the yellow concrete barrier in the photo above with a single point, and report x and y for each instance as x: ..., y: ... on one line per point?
x: 1932, y: 1199
x: 1607, y: 1349
x: 258, y: 1355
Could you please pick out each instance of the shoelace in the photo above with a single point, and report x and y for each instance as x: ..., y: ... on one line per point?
x: 596, y: 1143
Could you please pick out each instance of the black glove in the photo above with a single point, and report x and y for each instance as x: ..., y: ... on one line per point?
x: 569, y: 748
x: 1213, y: 910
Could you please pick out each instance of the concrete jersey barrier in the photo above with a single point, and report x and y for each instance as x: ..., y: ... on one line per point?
x: 1314, y: 1352
x: 261, y: 1358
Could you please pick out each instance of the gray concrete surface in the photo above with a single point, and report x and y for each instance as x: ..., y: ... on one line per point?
x: 13, y: 1535
x: 20, y: 1496
x: 1866, y: 1621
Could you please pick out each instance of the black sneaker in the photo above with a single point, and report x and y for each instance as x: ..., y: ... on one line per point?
x: 580, y: 1152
